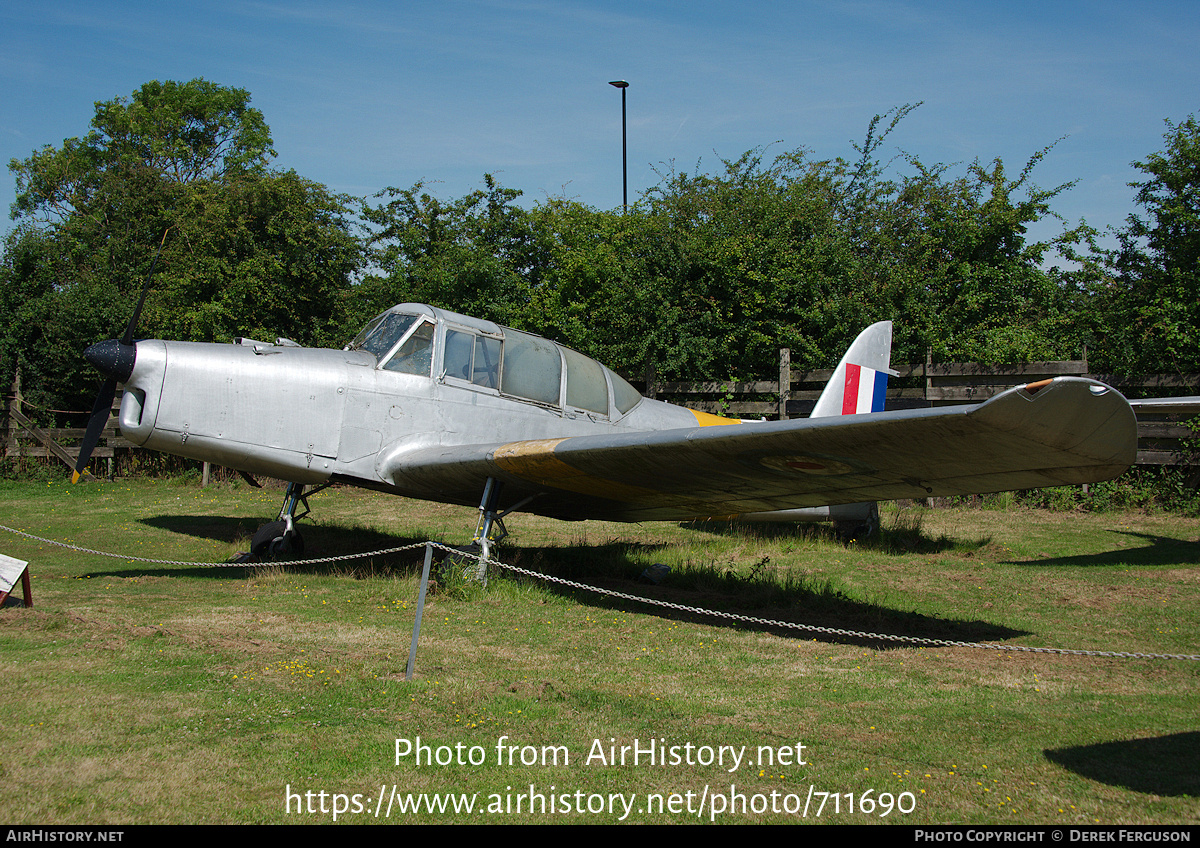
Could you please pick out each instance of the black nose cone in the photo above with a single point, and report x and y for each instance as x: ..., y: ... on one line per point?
x: 112, y: 359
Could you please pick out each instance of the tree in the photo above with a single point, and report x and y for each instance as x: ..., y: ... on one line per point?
x: 183, y: 131
x: 1148, y: 305
x: 470, y: 255
x: 248, y: 250
x: 256, y: 255
x: 70, y: 283
x: 748, y: 260
x: 958, y: 273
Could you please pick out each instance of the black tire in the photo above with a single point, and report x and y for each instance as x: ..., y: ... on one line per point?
x: 260, y: 545
x: 272, y: 541
x: 291, y: 546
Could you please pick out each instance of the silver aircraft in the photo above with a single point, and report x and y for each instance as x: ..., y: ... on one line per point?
x: 429, y: 404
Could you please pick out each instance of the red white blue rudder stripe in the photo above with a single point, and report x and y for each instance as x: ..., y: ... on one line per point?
x: 865, y: 390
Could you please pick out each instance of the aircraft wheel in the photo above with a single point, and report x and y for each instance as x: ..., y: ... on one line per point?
x: 290, y: 546
x: 272, y: 541
x: 850, y: 532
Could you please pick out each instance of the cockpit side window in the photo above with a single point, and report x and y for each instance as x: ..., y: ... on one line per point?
x: 586, y: 388
x: 415, y: 356
x: 471, y: 358
x: 456, y: 362
x: 486, y: 370
x: 532, y: 368
x: 625, y: 396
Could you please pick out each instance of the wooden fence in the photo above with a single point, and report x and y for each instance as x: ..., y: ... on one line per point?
x: 22, y: 438
x: 1161, y: 437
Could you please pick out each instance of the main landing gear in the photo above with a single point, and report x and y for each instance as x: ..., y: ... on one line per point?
x: 489, y: 531
x: 280, y: 539
x: 859, y: 528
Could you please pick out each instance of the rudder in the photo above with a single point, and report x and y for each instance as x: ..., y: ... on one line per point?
x: 859, y: 384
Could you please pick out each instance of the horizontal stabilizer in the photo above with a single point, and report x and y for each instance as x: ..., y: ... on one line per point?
x: 1171, y: 404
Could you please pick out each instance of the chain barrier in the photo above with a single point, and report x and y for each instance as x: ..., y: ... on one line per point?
x: 730, y: 616
x: 233, y: 564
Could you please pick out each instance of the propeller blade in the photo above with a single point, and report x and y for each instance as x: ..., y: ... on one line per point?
x: 100, y: 412
x: 127, y: 339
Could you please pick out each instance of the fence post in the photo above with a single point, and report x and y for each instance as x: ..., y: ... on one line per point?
x: 785, y: 381
x: 928, y: 369
x: 14, y: 403
x: 651, y: 376
x: 928, y: 391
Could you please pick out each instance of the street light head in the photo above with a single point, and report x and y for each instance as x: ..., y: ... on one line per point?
x: 619, y: 83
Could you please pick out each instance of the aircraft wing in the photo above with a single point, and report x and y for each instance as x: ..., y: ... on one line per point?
x: 1063, y: 431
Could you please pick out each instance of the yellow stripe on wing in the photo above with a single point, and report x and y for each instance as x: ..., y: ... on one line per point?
x: 704, y: 419
x: 534, y: 461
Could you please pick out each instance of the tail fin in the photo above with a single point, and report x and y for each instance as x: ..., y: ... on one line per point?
x: 860, y: 382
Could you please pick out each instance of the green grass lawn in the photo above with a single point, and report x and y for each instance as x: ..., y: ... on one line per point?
x: 150, y: 693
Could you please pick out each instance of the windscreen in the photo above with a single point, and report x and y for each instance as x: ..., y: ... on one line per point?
x: 381, y: 335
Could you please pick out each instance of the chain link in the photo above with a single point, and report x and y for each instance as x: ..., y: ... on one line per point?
x: 612, y: 593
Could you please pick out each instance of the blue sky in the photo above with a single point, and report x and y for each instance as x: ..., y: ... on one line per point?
x: 363, y: 94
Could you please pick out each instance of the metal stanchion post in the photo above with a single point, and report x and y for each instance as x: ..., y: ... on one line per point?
x: 412, y: 652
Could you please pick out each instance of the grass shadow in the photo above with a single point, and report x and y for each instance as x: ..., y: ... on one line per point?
x: 1161, y: 765
x: 1157, y: 550
x: 903, y: 532
x: 900, y: 533
x: 323, y: 540
x: 815, y: 604
x: 762, y: 592
x: 215, y: 528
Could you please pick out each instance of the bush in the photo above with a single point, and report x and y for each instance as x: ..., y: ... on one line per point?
x: 1148, y: 488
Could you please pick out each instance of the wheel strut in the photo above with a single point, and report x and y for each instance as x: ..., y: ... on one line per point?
x: 491, y: 524
x: 287, y: 513
x: 491, y: 530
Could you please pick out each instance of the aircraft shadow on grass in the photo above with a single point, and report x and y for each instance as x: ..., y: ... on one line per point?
x: 330, y: 540
x: 1146, y: 549
x: 753, y: 591
x: 1160, y: 765
x: 618, y: 566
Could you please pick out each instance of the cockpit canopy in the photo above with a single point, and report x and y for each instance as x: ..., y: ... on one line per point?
x: 426, y: 341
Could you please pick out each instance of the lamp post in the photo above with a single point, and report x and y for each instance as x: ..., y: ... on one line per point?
x: 621, y: 84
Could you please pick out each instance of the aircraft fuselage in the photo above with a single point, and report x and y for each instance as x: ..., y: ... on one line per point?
x: 310, y: 415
